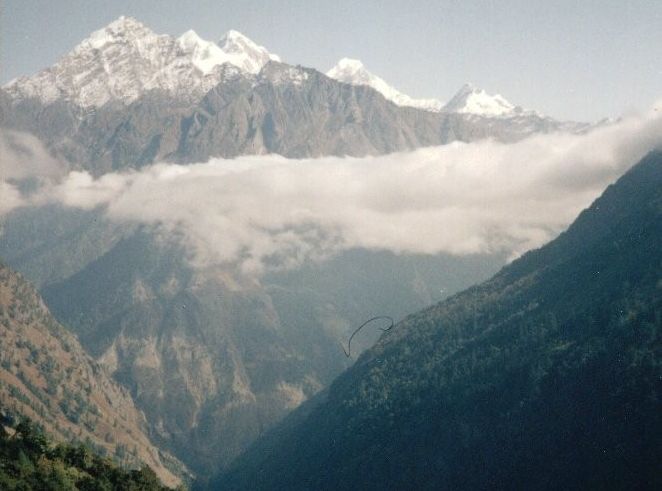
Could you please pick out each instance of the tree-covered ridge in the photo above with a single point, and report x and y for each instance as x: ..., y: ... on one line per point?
x: 548, y: 376
x: 29, y: 460
x: 46, y: 375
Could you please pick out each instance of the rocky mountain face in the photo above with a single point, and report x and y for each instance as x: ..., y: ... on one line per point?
x: 546, y: 376
x: 291, y: 111
x: 127, y: 97
x: 205, y: 357
x: 214, y: 360
x: 46, y: 375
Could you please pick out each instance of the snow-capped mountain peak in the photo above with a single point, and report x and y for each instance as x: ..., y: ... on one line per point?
x: 125, y: 59
x: 473, y: 100
x: 351, y: 71
x: 244, y: 53
x: 205, y: 55
x: 124, y: 28
x: 233, y: 48
x: 123, y: 23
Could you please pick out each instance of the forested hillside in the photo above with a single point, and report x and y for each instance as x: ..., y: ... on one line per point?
x: 30, y: 460
x: 548, y: 376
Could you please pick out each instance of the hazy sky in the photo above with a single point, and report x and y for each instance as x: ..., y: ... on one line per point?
x: 576, y: 59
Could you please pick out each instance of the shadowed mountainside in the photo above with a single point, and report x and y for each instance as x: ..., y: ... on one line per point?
x: 545, y: 377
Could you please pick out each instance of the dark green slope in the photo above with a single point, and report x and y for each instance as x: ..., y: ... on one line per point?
x: 29, y: 460
x: 548, y: 376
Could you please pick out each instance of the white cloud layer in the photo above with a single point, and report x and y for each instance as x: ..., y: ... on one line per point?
x: 481, y: 197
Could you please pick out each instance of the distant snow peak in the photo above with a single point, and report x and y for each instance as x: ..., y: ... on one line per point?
x: 233, y: 48
x: 205, y: 55
x: 125, y: 59
x: 190, y: 41
x: 473, y: 100
x: 124, y: 22
x: 124, y: 28
x: 244, y: 53
x: 352, y: 71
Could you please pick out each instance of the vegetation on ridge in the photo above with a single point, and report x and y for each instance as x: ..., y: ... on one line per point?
x: 548, y: 376
x: 30, y: 460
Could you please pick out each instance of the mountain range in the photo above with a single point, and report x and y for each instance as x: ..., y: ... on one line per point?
x: 469, y: 100
x: 211, y: 360
x: 127, y: 97
x: 126, y: 59
x: 214, y: 359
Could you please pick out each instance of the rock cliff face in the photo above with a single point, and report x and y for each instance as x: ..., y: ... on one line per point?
x: 214, y: 360
x: 202, y: 354
x: 46, y: 375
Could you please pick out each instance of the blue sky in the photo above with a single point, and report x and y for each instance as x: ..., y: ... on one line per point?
x: 580, y: 60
